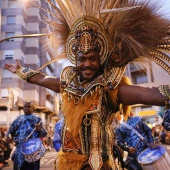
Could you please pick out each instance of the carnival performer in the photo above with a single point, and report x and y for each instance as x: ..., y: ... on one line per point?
x: 134, y: 136
x: 99, y: 38
x: 19, y: 131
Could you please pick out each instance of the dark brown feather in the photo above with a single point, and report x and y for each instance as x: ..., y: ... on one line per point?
x: 137, y: 32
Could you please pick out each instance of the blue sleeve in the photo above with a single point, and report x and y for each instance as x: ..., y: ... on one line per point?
x: 13, y: 128
x: 58, y: 135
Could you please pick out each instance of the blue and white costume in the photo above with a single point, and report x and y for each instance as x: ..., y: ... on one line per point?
x: 19, y: 130
x: 127, y: 138
x: 58, y: 134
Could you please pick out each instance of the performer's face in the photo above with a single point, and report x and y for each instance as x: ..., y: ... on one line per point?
x: 28, y: 108
x: 88, y: 65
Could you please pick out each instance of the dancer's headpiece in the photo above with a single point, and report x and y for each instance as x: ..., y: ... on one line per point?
x: 122, y: 31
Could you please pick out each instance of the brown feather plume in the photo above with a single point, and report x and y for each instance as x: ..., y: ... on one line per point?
x: 134, y: 33
x: 137, y: 32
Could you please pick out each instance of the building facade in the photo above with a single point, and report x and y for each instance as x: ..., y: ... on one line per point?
x: 149, y: 75
x: 18, y: 18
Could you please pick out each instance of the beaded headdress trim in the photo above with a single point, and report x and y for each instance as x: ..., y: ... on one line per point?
x: 87, y: 34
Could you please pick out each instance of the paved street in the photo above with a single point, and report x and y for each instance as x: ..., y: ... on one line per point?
x: 49, y: 157
x: 168, y: 148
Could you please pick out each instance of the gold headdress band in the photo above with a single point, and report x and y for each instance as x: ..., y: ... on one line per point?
x: 87, y: 34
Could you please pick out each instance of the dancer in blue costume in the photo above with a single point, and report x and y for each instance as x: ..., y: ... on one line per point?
x: 134, y: 136
x: 19, y: 130
x: 58, y: 134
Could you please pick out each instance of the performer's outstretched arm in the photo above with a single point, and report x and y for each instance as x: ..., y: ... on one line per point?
x: 130, y: 94
x: 34, y: 77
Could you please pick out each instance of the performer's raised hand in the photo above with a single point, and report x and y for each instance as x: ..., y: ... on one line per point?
x: 12, y: 67
x: 38, y: 127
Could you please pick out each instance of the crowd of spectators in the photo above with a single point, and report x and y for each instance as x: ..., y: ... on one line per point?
x: 5, y: 148
x: 161, y: 136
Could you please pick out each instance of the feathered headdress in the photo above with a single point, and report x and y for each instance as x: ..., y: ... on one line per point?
x: 120, y: 30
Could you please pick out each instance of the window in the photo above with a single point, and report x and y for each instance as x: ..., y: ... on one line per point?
x: 12, y: 3
x: 10, y: 34
x: 9, y: 54
x: 4, y: 93
x: 11, y: 19
x: 139, y: 77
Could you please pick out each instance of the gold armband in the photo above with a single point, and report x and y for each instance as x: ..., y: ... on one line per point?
x: 26, y: 73
x: 165, y: 91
